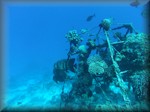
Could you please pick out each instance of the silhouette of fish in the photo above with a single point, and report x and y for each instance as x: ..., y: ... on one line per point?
x: 61, y: 68
x: 89, y: 18
x: 59, y: 75
x: 135, y: 3
x: 65, y: 64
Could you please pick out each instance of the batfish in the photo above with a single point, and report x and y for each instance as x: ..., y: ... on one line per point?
x: 61, y: 68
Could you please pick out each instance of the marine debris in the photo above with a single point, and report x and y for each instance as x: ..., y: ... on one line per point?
x: 111, y: 75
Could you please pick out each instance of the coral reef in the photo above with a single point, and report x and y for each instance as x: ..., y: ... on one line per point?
x: 136, y: 51
x: 110, y: 76
x: 140, y: 83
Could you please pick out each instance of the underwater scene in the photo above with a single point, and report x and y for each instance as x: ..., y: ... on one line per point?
x: 76, y: 57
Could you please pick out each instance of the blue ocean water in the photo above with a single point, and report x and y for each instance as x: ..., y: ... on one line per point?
x: 35, y: 36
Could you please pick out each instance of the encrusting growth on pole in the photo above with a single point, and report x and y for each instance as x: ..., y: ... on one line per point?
x: 118, y: 72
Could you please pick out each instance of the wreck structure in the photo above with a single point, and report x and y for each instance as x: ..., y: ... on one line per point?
x: 108, y: 75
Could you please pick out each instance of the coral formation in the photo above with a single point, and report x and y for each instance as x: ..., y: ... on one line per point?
x: 96, y: 69
x: 96, y: 66
x: 112, y: 78
x: 136, y: 50
x: 82, y: 49
x: 140, y: 83
x: 94, y: 58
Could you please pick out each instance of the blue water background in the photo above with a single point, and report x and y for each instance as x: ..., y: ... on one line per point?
x: 35, y: 34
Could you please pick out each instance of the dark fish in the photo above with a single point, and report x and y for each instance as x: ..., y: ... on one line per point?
x: 89, y: 18
x: 59, y: 75
x: 135, y: 3
x: 61, y: 68
x: 65, y: 64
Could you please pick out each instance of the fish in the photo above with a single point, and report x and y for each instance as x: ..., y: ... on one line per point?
x: 61, y: 68
x: 83, y: 31
x: 89, y: 18
x: 65, y: 64
x: 135, y: 3
x: 59, y: 75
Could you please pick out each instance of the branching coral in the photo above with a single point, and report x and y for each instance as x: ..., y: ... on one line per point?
x: 73, y: 37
